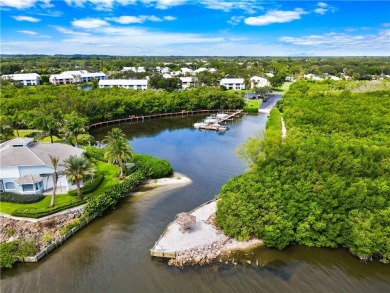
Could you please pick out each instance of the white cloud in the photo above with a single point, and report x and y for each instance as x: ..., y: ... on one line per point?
x: 169, y: 18
x: 276, y: 16
x: 69, y: 32
x: 31, y: 33
x: 27, y: 18
x: 323, y: 8
x: 249, y: 6
x: 341, y: 40
x: 21, y: 4
x: 234, y: 20
x: 89, y: 23
x: 126, y: 19
x: 165, y: 4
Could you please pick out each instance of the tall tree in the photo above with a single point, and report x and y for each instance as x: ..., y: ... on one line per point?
x: 118, y: 150
x: 76, y: 169
x: 74, y: 125
x: 6, y: 130
x: 55, y: 164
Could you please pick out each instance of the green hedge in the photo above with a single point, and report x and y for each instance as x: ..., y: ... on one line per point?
x: 20, y: 198
x: 249, y: 109
x: 89, y: 188
x: 92, y: 152
x: 159, y: 168
x: 13, y: 251
x: 32, y: 212
x: 97, y: 205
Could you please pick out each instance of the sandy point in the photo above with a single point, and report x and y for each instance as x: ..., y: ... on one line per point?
x: 177, y: 178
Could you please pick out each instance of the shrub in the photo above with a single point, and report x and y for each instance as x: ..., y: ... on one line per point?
x: 47, y: 236
x: 11, y: 252
x: 249, y: 109
x: 70, y: 226
x: 95, y: 153
x: 159, y: 168
x: 32, y: 212
x: 20, y: 198
x: 89, y: 188
x: 97, y: 205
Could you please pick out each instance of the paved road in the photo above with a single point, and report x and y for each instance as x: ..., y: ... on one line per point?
x: 267, y: 106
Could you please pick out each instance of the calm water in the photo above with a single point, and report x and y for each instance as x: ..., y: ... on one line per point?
x: 112, y: 253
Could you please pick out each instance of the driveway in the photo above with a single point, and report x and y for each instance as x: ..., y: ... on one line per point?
x: 267, y: 106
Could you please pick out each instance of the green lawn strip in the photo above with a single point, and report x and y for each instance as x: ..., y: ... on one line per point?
x: 284, y: 88
x: 9, y: 207
x: 110, y: 177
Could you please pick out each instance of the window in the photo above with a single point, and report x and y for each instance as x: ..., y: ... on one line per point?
x: 10, y: 185
x: 28, y: 187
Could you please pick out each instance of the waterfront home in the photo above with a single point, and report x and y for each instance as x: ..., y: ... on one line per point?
x: 25, y: 165
x: 188, y: 82
x: 67, y: 77
x: 24, y: 78
x: 257, y: 81
x: 233, y: 83
x: 135, y: 84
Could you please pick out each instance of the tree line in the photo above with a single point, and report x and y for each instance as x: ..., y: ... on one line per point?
x: 326, y: 184
x: 66, y: 110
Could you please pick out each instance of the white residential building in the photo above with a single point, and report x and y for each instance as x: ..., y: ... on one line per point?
x: 165, y: 70
x: 212, y: 70
x: 312, y: 76
x: 24, y: 78
x: 188, y: 82
x: 129, y: 69
x: 166, y: 75
x: 257, y: 81
x: 186, y: 70
x: 135, y: 84
x: 76, y: 76
x: 25, y: 165
x: 141, y: 69
x: 233, y: 83
x: 269, y: 74
x: 201, y: 69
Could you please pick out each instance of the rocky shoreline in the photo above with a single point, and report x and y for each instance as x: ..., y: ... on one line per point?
x: 41, y: 233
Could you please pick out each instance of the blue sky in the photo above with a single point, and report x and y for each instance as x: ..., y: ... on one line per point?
x: 196, y: 28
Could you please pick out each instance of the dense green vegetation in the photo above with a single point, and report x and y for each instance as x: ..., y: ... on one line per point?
x: 109, y: 199
x: 10, y: 252
x: 35, y: 107
x: 157, y: 168
x: 327, y: 184
x: 20, y: 198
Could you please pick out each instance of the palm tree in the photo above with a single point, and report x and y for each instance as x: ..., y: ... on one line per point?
x: 55, y: 165
x: 76, y: 169
x: 75, y: 125
x: 118, y: 150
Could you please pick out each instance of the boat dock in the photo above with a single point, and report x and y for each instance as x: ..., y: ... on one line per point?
x: 135, y: 118
x: 221, y: 120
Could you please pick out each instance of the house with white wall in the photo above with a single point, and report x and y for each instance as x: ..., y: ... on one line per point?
x: 74, y: 76
x: 24, y: 78
x: 233, y: 83
x: 135, y: 84
x: 188, y: 82
x: 258, y: 81
x: 129, y: 69
x: 25, y: 166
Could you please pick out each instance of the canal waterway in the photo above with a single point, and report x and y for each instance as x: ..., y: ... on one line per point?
x: 112, y: 253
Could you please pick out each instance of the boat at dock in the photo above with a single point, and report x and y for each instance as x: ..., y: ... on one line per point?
x: 216, y: 122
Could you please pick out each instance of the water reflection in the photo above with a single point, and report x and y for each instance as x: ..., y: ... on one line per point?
x: 112, y: 253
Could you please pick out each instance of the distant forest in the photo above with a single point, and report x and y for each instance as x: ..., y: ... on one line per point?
x: 245, y: 67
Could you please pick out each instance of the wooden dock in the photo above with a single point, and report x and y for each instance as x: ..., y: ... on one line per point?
x: 134, y: 118
x: 215, y: 127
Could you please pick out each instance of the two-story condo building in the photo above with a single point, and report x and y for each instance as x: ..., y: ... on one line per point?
x: 135, y: 84
x: 257, y: 81
x: 233, y: 83
x: 24, y: 78
x: 76, y: 76
x: 188, y: 82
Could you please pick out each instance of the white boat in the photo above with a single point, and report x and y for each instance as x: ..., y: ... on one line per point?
x: 222, y: 115
x: 200, y: 124
x: 222, y: 128
x: 211, y: 119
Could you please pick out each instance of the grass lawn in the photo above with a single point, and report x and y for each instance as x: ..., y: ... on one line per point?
x: 254, y: 103
x: 9, y: 207
x: 25, y: 132
x: 110, y: 173
x: 284, y: 88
